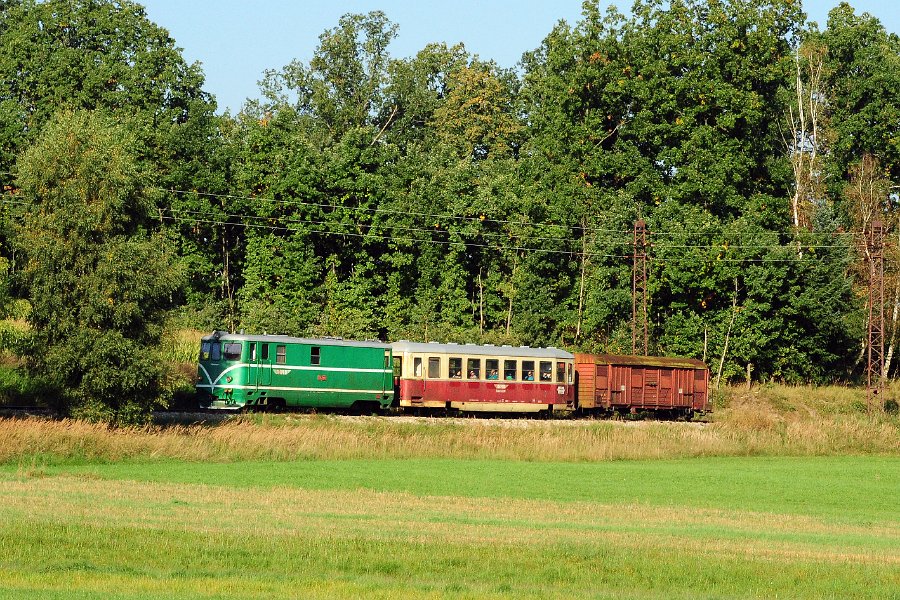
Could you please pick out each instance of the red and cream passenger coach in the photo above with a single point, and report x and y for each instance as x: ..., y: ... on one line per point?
x: 471, y: 377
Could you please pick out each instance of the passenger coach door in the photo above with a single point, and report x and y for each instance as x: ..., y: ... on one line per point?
x: 263, y: 364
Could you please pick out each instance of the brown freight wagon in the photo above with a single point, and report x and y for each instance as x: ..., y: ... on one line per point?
x: 608, y: 383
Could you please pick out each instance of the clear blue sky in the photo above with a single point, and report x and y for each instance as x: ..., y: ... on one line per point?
x: 236, y: 40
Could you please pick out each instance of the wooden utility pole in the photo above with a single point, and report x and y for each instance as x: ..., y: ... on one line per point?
x: 639, y: 334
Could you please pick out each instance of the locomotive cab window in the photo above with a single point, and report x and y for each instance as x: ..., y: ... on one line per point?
x: 491, y: 368
x: 204, y: 350
x: 434, y: 367
x: 253, y: 351
x: 315, y: 355
x: 280, y: 355
x: 455, y: 368
x: 473, y: 368
x: 232, y: 351
x: 265, y: 352
x: 546, y: 370
x: 510, y: 370
x: 527, y: 370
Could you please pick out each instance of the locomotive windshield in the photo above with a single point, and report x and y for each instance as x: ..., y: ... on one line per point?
x: 210, y: 351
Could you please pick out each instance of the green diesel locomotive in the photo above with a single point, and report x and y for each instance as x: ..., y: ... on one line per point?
x: 276, y: 371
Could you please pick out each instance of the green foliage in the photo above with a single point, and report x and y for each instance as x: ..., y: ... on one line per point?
x: 439, y: 197
x: 99, y: 284
x: 105, y: 55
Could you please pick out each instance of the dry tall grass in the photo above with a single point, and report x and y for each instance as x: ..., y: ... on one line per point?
x: 769, y: 421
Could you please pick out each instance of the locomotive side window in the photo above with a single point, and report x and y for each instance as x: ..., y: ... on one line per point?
x: 527, y: 370
x: 315, y: 355
x: 473, y: 368
x: 417, y: 366
x: 265, y: 352
x: 491, y: 367
x: 280, y: 355
x: 455, y: 368
x: 434, y: 367
x: 560, y: 372
x: 510, y: 370
x: 546, y: 370
x: 232, y: 351
x: 253, y: 351
x: 204, y: 350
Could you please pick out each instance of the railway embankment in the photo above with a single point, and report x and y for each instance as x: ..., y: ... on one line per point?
x: 765, y: 421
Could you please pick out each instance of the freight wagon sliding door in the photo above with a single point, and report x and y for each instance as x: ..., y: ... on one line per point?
x: 619, y: 385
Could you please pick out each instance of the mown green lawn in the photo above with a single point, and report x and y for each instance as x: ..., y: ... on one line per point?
x: 708, y: 528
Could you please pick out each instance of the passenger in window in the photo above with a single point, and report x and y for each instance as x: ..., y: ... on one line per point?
x: 472, y: 375
x: 545, y: 376
x: 456, y: 375
x: 493, y: 374
x: 529, y: 376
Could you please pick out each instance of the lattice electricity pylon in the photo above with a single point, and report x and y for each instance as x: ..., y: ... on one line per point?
x: 874, y: 374
x: 639, y: 334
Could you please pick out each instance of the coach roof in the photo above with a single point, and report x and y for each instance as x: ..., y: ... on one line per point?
x: 479, y: 350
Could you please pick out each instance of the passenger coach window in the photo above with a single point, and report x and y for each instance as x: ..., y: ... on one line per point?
x: 280, y: 355
x: 314, y: 355
x: 560, y: 372
x: 455, y: 368
x: 473, y: 367
x: 490, y: 368
x: 232, y: 351
x: 527, y: 370
x: 398, y: 367
x: 510, y: 372
x: 434, y: 367
x: 417, y: 366
x: 546, y: 370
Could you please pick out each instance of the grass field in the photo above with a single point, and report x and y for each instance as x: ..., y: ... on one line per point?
x: 389, y: 528
x: 785, y: 493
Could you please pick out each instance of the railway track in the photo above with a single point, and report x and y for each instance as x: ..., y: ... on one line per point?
x: 195, y: 415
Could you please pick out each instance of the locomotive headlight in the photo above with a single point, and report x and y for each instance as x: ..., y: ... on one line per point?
x: 229, y: 379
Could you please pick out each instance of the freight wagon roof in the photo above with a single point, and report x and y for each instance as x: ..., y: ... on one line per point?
x: 648, y: 361
x: 286, y: 339
x: 478, y: 349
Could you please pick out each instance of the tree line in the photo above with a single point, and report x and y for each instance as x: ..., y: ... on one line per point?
x: 442, y: 197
